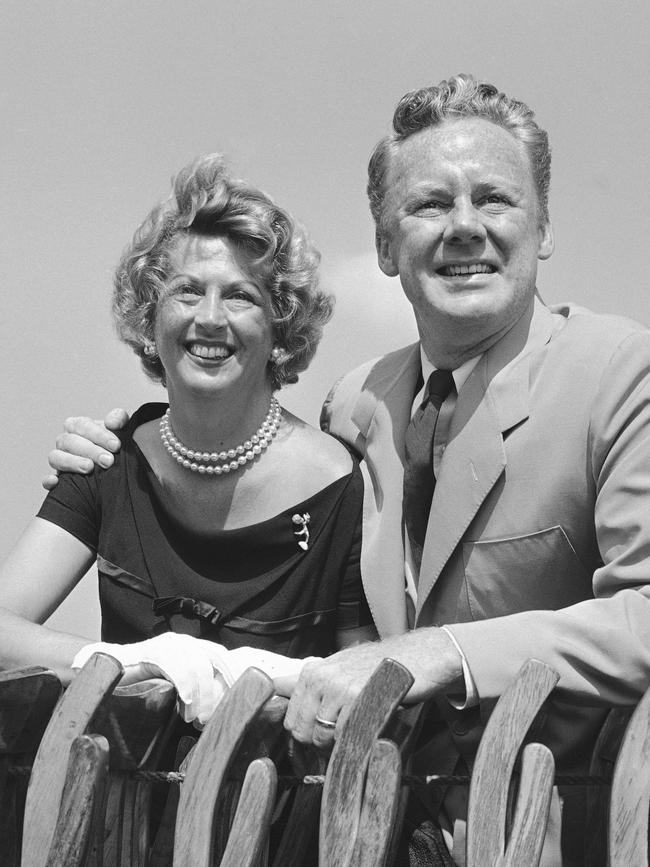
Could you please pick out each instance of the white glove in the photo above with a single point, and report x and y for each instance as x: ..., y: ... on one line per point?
x: 195, y: 667
x: 200, y: 670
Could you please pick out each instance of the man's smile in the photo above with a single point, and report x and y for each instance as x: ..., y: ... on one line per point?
x: 462, y: 270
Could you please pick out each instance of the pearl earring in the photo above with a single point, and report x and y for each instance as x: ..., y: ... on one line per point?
x: 277, y: 355
x: 150, y: 350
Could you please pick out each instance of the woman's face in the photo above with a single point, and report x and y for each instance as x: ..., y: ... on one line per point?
x: 213, y: 324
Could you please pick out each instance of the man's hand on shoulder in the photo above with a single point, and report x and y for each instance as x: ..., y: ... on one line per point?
x: 85, y: 443
x: 327, y: 689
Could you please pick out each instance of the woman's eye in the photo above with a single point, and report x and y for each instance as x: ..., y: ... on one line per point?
x: 185, y: 291
x: 240, y: 298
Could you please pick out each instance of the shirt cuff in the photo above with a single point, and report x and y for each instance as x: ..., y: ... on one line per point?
x: 471, y: 693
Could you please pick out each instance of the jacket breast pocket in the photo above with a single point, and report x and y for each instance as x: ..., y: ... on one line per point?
x: 523, y: 573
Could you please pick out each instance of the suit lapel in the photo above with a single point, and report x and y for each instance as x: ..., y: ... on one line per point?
x: 493, y: 400
x: 381, y: 414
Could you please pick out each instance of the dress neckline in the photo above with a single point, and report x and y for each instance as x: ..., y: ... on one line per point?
x: 150, y: 411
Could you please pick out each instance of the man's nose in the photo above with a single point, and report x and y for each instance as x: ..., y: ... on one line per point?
x: 464, y: 223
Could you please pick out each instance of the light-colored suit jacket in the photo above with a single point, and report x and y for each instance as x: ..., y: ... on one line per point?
x: 538, y: 542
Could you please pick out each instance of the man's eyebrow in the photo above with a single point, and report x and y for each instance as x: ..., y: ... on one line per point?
x: 426, y: 190
x: 498, y: 182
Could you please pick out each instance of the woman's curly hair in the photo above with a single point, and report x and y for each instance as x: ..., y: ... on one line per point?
x: 207, y: 199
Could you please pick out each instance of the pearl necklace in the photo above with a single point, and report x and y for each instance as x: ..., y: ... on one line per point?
x: 216, y: 463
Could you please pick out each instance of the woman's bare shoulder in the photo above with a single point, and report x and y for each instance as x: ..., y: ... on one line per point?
x: 318, y: 452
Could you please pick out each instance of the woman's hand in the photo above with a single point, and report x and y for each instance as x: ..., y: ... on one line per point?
x: 195, y: 667
x: 83, y: 444
x: 200, y: 670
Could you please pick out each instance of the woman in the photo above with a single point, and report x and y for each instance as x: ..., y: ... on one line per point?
x: 224, y: 517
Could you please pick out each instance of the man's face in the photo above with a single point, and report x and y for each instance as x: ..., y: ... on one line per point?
x: 461, y: 227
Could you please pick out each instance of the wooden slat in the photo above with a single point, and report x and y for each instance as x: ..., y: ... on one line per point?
x: 630, y: 796
x: 265, y: 738
x: 300, y: 834
x: 250, y: 830
x: 84, y: 788
x: 495, y: 761
x: 208, y: 765
x: 80, y: 701
x: 379, y: 808
x: 27, y: 698
x: 602, y: 765
x: 136, y: 721
x: 344, y: 782
x: 532, y: 808
x: 163, y: 846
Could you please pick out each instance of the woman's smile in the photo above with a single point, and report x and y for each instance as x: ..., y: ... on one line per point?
x: 211, y: 352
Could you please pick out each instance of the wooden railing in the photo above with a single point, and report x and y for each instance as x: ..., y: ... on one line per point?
x: 80, y: 777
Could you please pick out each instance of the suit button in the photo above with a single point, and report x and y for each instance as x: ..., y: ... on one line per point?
x: 460, y: 728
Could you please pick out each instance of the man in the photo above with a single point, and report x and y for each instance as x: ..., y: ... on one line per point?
x: 537, y: 539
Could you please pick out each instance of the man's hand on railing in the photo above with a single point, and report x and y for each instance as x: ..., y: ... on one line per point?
x: 200, y: 670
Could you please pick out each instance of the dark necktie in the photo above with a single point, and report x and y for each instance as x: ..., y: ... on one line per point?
x: 419, y: 481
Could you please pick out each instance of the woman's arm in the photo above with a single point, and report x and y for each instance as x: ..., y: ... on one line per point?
x: 38, y: 574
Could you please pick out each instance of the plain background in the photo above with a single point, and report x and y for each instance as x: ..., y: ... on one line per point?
x: 103, y: 102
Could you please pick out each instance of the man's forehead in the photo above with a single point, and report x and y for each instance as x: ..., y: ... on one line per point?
x: 473, y: 144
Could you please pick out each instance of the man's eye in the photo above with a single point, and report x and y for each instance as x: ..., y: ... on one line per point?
x: 431, y: 205
x: 494, y: 199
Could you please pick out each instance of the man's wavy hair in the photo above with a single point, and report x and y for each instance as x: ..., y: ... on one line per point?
x: 460, y: 97
x: 206, y: 199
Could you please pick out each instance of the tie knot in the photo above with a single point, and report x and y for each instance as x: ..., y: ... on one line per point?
x: 440, y: 384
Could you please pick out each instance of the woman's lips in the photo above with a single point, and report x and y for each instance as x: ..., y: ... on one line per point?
x: 210, y: 352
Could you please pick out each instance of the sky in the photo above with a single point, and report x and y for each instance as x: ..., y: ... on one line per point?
x: 103, y: 102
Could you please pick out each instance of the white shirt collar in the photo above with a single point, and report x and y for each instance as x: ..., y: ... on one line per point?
x: 460, y: 374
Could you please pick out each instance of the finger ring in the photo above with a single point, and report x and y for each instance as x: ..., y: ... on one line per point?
x: 326, y: 723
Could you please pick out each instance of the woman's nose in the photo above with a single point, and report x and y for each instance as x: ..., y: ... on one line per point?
x: 211, y: 311
x: 464, y: 223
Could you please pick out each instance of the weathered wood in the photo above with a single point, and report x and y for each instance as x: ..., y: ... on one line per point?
x: 250, y: 830
x: 80, y: 701
x: 84, y: 788
x: 300, y: 833
x: 27, y: 698
x: 403, y: 728
x: 344, y: 782
x: 136, y: 720
x: 162, y: 849
x: 532, y: 807
x: 379, y: 808
x: 265, y: 738
x: 602, y: 765
x: 209, y: 763
x: 630, y: 797
x: 495, y: 761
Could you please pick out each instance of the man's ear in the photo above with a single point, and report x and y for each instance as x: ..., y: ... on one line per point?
x: 384, y: 256
x: 546, y: 241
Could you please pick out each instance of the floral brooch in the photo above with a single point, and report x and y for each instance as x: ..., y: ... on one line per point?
x: 302, y: 533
